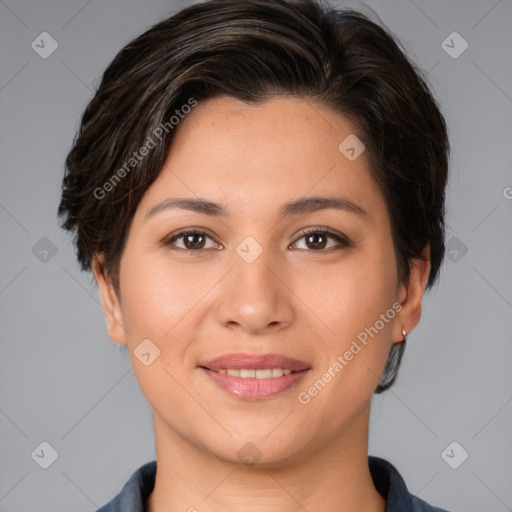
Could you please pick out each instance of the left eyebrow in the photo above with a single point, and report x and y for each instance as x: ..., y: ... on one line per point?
x: 300, y: 206
x: 313, y: 204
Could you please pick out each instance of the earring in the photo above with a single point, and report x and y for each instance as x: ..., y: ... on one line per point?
x: 404, y: 332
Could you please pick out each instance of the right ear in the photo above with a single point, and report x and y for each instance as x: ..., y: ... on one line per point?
x: 110, y: 303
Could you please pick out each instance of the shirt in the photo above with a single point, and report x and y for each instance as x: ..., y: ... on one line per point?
x: 386, y: 478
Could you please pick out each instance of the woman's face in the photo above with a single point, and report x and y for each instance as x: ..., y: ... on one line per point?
x: 250, y: 282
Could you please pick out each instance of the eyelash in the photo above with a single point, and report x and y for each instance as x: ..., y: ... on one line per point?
x: 343, y: 241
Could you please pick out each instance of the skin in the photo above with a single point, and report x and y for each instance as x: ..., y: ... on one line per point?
x: 295, y: 299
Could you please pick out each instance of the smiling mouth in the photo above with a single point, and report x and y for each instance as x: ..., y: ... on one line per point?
x: 255, y: 384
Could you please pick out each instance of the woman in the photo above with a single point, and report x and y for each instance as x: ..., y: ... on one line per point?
x: 259, y: 190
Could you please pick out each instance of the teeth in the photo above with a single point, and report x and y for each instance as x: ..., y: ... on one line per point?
x: 266, y: 373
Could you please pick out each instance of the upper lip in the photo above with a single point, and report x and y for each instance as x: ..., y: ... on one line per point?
x: 254, y: 362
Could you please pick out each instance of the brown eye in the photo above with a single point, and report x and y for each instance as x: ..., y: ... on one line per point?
x: 193, y: 239
x: 317, y: 239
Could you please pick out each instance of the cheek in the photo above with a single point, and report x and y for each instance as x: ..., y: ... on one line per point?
x: 355, y: 302
x: 350, y: 297
x: 155, y: 297
x: 158, y: 305
x: 167, y: 303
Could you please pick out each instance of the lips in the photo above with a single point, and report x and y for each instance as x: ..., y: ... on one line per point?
x: 254, y: 388
x: 242, y: 361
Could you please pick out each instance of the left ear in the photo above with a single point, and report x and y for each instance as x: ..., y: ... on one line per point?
x: 411, y: 295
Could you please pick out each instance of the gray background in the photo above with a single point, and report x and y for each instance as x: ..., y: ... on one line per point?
x: 64, y: 382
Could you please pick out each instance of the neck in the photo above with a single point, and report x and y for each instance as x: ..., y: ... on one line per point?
x: 333, y: 476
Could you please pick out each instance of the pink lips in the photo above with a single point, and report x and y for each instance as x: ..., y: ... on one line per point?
x: 240, y: 361
x: 254, y: 388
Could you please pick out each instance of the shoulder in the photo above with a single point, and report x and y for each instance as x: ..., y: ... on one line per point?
x: 136, y: 490
x: 391, y: 485
x: 422, y: 506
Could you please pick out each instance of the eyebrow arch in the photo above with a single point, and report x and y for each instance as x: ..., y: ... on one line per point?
x: 300, y: 206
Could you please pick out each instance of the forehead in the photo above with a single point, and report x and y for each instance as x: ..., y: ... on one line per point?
x: 259, y: 156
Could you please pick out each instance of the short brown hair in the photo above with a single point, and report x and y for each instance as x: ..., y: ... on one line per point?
x: 253, y: 51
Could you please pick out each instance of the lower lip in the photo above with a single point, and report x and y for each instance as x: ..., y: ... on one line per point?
x: 254, y: 388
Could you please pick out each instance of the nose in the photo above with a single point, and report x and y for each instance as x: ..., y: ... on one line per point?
x: 255, y: 297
